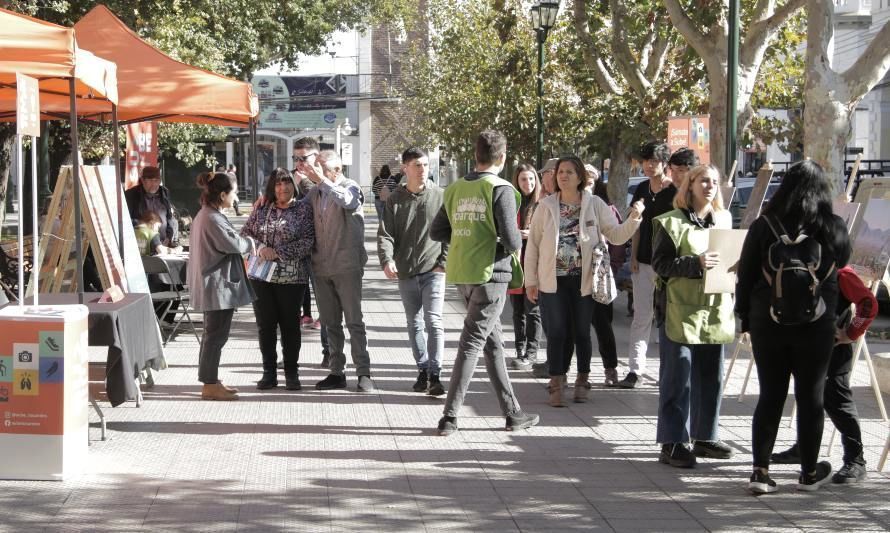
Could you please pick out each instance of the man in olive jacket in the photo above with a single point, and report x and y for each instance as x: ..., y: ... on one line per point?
x: 407, y: 253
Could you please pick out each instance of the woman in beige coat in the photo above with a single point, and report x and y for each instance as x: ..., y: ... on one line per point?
x: 558, y: 268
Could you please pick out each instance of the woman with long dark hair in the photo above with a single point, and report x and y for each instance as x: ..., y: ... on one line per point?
x: 285, y: 233
x: 798, y: 220
x: 559, y: 267
x: 216, y: 276
x: 526, y: 314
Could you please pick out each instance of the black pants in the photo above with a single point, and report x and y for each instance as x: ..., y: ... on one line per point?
x: 605, y: 336
x: 559, y: 309
x: 307, y: 302
x: 839, y: 402
x: 526, y: 325
x: 277, y: 307
x: 217, y: 325
x: 781, y: 352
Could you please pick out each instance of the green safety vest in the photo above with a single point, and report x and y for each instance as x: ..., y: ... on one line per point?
x: 691, y: 316
x: 474, y: 236
x: 144, y: 235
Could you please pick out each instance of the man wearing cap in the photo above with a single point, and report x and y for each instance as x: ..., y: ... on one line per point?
x: 548, y: 176
x: 150, y: 195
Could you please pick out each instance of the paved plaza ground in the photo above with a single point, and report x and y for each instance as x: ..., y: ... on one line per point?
x: 343, y: 461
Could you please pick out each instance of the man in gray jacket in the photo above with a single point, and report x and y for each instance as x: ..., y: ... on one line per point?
x: 407, y: 253
x: 338, y: 262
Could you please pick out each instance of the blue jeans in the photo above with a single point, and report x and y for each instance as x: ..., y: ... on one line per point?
x: 567, y: 316
x: 690, y: 381
x: 423, y: 297
x: 378, y: 206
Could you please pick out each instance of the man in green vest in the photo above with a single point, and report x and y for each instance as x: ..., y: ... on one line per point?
x: 478, y: 220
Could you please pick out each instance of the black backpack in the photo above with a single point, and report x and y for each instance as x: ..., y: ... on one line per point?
x: 790, y: 270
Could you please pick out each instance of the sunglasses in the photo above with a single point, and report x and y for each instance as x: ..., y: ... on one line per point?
x: 303, y: 158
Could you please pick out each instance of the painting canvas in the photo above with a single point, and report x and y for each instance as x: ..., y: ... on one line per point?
x: 871, y: 242
x: 135, y: 274
x: 847, y: 211
x: 728, y: 243
x: 755, y: 201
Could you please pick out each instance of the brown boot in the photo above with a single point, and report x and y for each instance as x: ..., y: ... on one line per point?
x: 216, y: 391
x: 555, y: 389
x: 582, y: 388
x: 230, y: 389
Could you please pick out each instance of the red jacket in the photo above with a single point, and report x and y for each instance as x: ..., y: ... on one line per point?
x: 853, y: 290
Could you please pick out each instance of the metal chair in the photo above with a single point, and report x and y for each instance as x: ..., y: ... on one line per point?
x: 164, y: 300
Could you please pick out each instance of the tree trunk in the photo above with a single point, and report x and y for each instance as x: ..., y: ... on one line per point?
x: 619, y: 172
x: 717, y: 120
x: 826, y: 129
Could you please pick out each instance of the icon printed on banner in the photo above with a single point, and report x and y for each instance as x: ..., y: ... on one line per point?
x: 51, y: 342
x: 26, y: 356
x: 4, y: 396
x: 2, y: 368
x: 26, y: 383
x: 52, y: 369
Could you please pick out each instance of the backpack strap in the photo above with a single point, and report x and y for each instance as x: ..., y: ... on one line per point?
x: 773, y: 228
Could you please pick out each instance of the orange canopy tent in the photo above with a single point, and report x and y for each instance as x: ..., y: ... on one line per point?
x: 50, y: 53
x: 66, y: 76
x: 153, y: 86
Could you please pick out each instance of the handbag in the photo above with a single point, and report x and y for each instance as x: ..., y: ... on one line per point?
x: 603, y: 290
x: 259, y: 268
x: 518, y: 278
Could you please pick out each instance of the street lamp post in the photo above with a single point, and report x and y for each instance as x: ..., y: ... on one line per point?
x: 543, y: 14
x: 344, y: 128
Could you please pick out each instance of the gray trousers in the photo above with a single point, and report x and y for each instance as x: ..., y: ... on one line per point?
x: 337, y: 297
x: 216, y: 332
x: 481, y: 333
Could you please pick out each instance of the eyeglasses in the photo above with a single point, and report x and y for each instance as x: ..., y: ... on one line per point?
x: 303, y: 158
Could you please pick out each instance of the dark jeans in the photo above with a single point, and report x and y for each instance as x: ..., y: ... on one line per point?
x: 781, y: 352
x: 605, y: 336
x: 690, y: 384
x: 307, y: 302
x: 559, y: 309
x: 216, y: 332
x: 276, y: 308
x: 839, y: 402
x: 526, y: 325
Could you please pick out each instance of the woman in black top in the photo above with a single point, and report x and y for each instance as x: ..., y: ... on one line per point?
x: 802, y: 204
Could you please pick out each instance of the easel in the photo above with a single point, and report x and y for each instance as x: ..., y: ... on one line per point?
x: 56, y: 271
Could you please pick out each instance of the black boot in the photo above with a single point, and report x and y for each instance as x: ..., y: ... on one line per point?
x: 269, y: 380
x: 422, y: 381
x: 292, y: 382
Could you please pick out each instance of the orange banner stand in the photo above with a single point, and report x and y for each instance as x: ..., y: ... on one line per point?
x: 44, y: 394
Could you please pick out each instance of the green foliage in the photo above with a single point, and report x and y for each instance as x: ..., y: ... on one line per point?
x: 230, y: 37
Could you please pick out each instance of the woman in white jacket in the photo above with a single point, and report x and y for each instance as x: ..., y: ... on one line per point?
x: 558, y: 267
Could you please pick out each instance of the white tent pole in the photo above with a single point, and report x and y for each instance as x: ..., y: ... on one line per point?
x: 35, y: 266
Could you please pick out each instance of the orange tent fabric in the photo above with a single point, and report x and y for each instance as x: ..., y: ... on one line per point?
x: 50, y: 53
x: 153, y: 86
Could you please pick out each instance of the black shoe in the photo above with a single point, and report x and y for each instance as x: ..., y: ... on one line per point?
x: 521, y: 363
x: 269, y: 381
x: 713, y: 449
x: 761, y: 483
x: 678, y: 455
x: 436, y: 388
x: 422, y: 382
x: 447, y: 425
x: 333, y: 381
x: 293, y: 383
x: 365, y: 384
x: 791, y: 456
x: 811, y: 481
x: 629, y: 381
x: 520, y: 420
x: 852, y: 472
